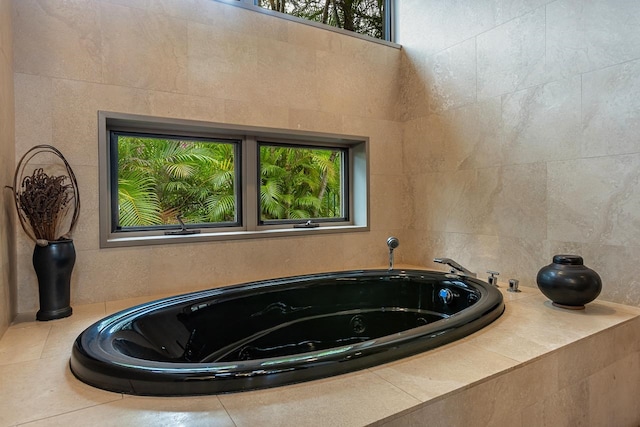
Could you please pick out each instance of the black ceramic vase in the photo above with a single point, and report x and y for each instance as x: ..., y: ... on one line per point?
x: 568, y: 283
x: 53, y: 264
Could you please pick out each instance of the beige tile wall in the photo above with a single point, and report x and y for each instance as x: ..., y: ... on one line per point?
x: 521, y: 135
x: 203, y: 60
x: 520, y: 123
x: 7, y: 154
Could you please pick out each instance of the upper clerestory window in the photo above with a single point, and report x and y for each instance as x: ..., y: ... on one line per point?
x: 168, y: 180
x: 371, y: 18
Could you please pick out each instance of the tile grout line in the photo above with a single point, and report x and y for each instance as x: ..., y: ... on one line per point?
x: 374, y: 372
x: 226, y: 411
x: 26, y: 423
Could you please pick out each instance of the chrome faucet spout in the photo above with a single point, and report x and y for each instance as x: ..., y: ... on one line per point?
x: 455, y: 266
x: 392, y: 243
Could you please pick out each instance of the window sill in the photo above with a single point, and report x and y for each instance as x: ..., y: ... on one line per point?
x: 125, y: 241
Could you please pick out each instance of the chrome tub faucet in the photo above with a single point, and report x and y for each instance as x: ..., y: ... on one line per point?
x: 455, y: 267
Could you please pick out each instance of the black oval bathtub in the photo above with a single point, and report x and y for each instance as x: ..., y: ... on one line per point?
x: 282, y: 331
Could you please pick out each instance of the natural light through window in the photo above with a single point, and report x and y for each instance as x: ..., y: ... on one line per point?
x: 301, y: 183
x: 360, y: 16
x: 172, y: 180
x: 161, y: 178
x: 371, y: 18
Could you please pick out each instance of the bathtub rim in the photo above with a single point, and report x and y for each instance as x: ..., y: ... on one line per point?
x: 145, y: 377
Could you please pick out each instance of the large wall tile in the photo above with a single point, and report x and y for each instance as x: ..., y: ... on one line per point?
x: 452, y: 76
x: 8, y: 294
x: 465, y: 138
x: 222, y: 63
x: 498, y: 401
x: 85, y: 235
x: 337, y: 74
x: 506, y: 10
x: 256, y: 113
x: 343, y: 84
x: 568, y: 406
x: 514, y: 258
x: 385, y: 141
x: 519, y: 204
x: 165, y: 104
x: 432, y: 26
x: 34, y: 111
x: 542, y: 123
x: 312, y: 120
x: 508, y: 201
x: 587, y: 35
x: 595, y: 200
x: 612, y: 391
x: 290, y: 73
x: 203, y: 11
x: 6, y: 35
x: 387, y: 202
x: 511, y: 56
x: 143, y: 49
x: 413, y: 95
x: 611, y: 110
x: 58, y: 39
x: 75, y: 115
x: 417, y: 139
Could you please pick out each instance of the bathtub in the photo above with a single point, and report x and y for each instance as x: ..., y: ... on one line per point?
x: 282, y: 331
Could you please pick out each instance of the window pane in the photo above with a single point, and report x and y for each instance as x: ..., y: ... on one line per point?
x: 299, y: 183
x: 161, y: 177
x: 360, y: 16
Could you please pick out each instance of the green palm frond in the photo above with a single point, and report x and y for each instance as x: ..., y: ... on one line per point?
x: 137, y: 202
x: 221, y: 208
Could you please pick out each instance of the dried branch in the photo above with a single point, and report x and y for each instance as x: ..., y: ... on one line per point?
x: 44, y: 201
x: 47, y: 205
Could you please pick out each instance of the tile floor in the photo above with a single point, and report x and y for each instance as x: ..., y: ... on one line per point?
x: 38, y: 389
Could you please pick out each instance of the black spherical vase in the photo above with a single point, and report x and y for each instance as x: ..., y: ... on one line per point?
x: 53, y: 264
x: 568, y: 283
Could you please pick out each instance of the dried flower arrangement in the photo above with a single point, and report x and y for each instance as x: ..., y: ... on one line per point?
x: 48, y: 205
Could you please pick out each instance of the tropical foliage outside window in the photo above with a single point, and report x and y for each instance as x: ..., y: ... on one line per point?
x: 159, y: 178
x: 300, y: 183
x: 360, y: 16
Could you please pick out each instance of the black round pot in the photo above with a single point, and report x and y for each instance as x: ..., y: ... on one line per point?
x: 568, y: 283
x: 53, y: 264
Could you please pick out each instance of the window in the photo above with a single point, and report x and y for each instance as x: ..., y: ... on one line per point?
x: 160, y: 180
x: 167, y: 180
x: 370, y: 18
x: 301, y: 183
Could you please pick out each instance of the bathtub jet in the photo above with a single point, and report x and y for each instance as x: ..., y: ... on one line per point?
x: 282, y: 331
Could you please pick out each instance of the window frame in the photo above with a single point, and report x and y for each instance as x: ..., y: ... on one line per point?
x: 345, y: 190
x: 388, y: 21
x: 172, y: 227
x: 355, y: 185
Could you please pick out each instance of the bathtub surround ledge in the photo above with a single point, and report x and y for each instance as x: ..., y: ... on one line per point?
x: 536, y: 364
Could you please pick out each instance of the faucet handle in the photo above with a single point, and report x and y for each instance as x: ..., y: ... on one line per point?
x: 492, y: 279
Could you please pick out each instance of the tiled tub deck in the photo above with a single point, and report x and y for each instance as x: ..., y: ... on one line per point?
x: 536, y: 365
